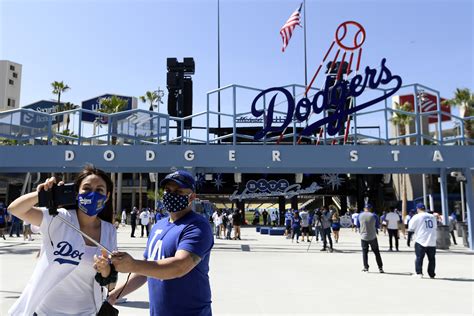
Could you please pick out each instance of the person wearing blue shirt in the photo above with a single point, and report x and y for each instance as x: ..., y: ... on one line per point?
x: 288, y: 220
x: 176, y: 258
x: 3, y: 220
x: 16, y: 226
x: 296, y: 227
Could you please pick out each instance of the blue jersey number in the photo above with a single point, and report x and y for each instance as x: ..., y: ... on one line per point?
x: 429, y: 223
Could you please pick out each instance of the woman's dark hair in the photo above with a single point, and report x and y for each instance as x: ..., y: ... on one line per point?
x: 107, y: 213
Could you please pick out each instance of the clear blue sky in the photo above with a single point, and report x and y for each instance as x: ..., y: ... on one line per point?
x: 121, y: 47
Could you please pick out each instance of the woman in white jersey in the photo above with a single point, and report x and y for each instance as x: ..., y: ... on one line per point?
x: 66, y: 278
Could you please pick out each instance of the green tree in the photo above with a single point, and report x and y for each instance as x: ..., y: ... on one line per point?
x: 8, y: 142
x: 113, y: 104
x: 59, y: 87
x: 64, y: 141
x: 401, y: 120
x: 67, y: 107
x: 150, y: 194
x: 153, y: 98
x: 464, y: 98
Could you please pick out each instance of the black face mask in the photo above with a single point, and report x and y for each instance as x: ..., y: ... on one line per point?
x: 174, y: 202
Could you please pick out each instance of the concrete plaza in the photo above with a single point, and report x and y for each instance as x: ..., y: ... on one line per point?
x: 266, y: 275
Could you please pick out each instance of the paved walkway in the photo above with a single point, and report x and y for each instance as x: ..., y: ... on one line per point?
x: 267, y: 275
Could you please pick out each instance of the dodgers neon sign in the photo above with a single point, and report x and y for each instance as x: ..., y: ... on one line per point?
x: 331, y: 96
x: 263, y: 188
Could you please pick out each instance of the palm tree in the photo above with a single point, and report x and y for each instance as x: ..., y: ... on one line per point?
x: 152, y: 97
x: 58, y: 88
x: 112, y: 105
x: 401, y: 120
x: 150, y: 194
x: 64, y: 141
x: 465, y: 100
x: 67, y: 107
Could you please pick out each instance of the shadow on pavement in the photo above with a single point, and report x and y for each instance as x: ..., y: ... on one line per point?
x: 18, y: 251
x: 454, y: 279
x: 395, y: 273
x: 136, y: 304
x: 11, y: 292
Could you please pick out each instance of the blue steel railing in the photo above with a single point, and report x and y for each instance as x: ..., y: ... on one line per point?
x: 133, y: 127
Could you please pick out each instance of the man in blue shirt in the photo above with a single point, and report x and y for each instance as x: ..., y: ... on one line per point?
x: 176, y: 258
x: 288, y: 220
x: 3, y: 220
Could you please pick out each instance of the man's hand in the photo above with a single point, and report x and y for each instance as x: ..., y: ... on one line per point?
x: 112, y: 299
x: 123, y: 262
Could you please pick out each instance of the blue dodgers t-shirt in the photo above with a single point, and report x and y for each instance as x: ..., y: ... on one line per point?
x: 190, y: 294
x: 296, y: 222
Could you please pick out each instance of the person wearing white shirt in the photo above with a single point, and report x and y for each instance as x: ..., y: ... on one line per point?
x: 124, y: 217
x: 69, y: 274
x: 144, y: 220
x: 424, y: 226
x: 392, y: 219
x: 217, y: 219
x: 304, y: 224
x: 355, y: 216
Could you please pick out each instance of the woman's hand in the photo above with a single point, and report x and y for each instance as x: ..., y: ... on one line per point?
x: 48, y: 184
x: 102, y: 264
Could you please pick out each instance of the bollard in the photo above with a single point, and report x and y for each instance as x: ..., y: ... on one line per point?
x: 465, y: 234
x: 442, y: 239
x: 459, y: 228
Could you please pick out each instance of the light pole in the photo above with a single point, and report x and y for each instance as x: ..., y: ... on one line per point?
x: 460, y: 178
x: 159, y: 96
x: 421, y: 98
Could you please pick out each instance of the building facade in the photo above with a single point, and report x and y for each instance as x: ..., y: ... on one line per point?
x: 10, y: 85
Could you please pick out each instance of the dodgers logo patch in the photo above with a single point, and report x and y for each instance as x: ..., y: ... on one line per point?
x: 65, y: 249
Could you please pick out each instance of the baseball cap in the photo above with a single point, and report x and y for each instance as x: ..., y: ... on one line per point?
x: 368, y: 205
x: 420, y: 206
x: 182, y: 178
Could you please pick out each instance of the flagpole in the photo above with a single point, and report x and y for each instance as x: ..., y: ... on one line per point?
x: 305, y: 59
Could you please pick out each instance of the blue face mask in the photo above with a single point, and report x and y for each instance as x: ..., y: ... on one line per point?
x: 91, y: 203
x: 174, y: 202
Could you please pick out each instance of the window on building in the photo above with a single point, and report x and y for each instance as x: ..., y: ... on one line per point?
x: 11, y: 82
x: 12, y: 68
x: 15, y: 75
x: 11, y: 102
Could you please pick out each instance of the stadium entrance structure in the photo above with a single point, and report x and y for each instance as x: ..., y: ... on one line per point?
x: 143, y: 141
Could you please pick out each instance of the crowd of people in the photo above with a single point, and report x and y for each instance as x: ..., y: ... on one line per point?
x: 225, y: 222
x: 179, y: 242
x: 324, y: 224
x: 13, y: 226
x: 146, y: 218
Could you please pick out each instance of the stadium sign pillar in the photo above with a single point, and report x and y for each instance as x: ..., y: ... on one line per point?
x: 470, y: 205
x: 444, y: 195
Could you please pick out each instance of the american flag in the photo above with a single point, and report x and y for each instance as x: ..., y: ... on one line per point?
x: 287, y: 30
